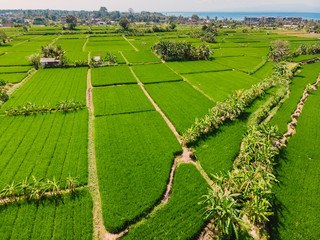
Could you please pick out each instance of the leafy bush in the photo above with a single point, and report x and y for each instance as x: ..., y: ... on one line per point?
x: 241, y: 198
x: 279, y: 50
x: 37, y: 188
x: 30, y: 108
x: 181, y: 51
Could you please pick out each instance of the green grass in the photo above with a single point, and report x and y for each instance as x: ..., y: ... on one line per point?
x: 219, y: 85
x: 120, y: 99
x: 140, y: 56
x: 153, y: 73
x: 49, y: 86
x: 181, y: 217
x: 13, y: 77
x: 298, y: 191
x: 305, y: 57
x: 230, y: 52
x: 14, y: 69
x: 15, y: 59
x: 104, y: 76
x: 197, y: 66
x: 308, y: 74
x: 180, y: 102
x: 134, y: 155
x: 265, y: 71
x: 109, y: 45
x: 246, y: 63
x: 217, y: 152
x: 44, y: 145
x: 68, y: 217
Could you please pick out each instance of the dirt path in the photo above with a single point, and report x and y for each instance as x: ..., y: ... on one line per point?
x: 136, y: 49
x: 85, y: 44
x: 15, y: 87
x: 99, y: 230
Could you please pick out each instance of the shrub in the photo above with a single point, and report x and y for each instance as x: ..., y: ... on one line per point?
x: 279, y: 50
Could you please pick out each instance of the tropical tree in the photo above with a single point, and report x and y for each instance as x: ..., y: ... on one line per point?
x: 124, y: 23
x: 71, y: 21
x: 3, y: 36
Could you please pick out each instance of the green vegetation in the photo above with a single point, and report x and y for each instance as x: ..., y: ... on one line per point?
x: 217, y: 152
x: 30, y: 108
x: 265, y: 71
x: 14, y: 69
x: 180, y: 102
x: 246, y: 190
x: 140, y: 57
x: 247, y: 64
x: 49, y: 86
x: 67, y: 217
x: 44, y: 145
x: 219, y: 85
x: 180, y: 51
x: 137, y: 161
x: 297, y: 208
x: 197, y: 67
x: 104, y: 76
x: 120, y: 99
x: 182, y: 216
x: 154, y: 73
x: 309, y: 74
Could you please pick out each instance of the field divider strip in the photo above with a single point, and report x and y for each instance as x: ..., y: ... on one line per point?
x: 291, y: 127
x: 136, y: 49
x: 56, y: 39
x: 186, y: 80
x: 47, y: 194
x: 98, y: 226
x: 85, y: 44
x: 127, y: 62
x: 185, y: 156
x: 15, y: 87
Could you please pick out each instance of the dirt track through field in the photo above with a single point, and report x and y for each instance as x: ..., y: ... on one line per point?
x: 136, y: 49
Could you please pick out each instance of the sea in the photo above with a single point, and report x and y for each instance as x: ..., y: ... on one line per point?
x: 241, y: 15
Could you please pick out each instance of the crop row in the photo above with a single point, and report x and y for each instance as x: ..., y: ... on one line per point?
x: 297, y: 193
x: 119, y: 100
x: 182, y: 216
x: 67, y: 217
x: 309, y: 74
x: 49, y: 86
x: 44, y: 145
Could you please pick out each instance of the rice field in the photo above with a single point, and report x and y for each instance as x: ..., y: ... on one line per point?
x: 133, y: 169
x: 50, y: 86
x: 155, y: 73
x: 134, y: 156
x: 44, y: 145
x: 181, y: 103
x: 119, y: 100
x: 104, y: 76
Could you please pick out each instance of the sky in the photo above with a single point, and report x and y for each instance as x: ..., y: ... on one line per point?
x: 169, y: 5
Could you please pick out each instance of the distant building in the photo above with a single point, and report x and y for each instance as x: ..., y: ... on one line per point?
x: 255, y: 20
x: 49, y: 61
x: 7, y: 25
